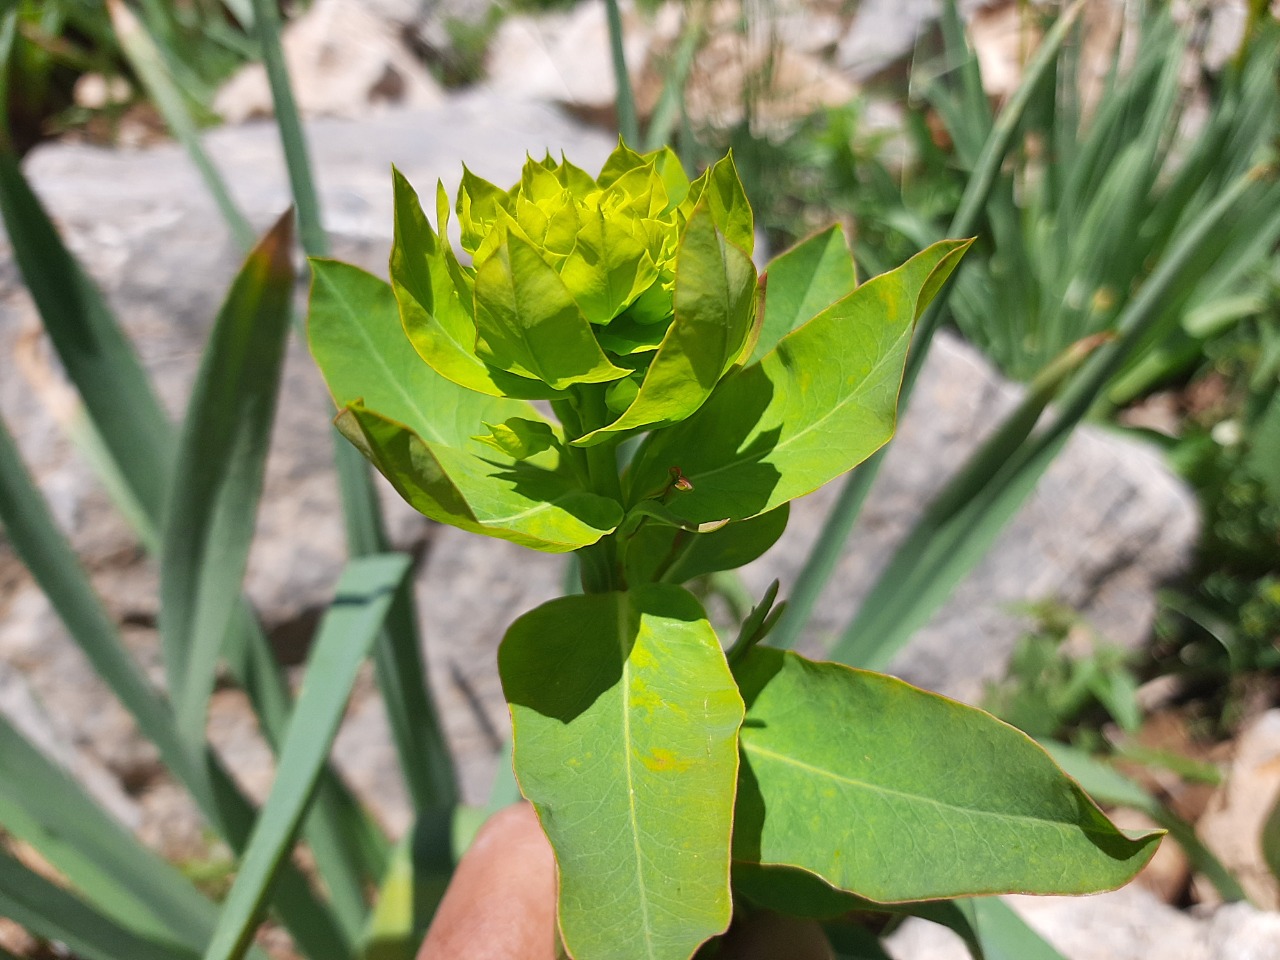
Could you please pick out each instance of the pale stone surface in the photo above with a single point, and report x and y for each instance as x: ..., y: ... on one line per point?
x: 344, y: 60
x: 1129, y: 924
x: 1232, y: 825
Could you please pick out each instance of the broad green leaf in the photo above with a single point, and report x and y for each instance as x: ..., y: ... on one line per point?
x: 906, y: 795
x: 479, y: 203
x: 803, y: 282
x: 52, y: 913
x: 621, y: 161
x: 625, y: 722
x: 345, y: 637
x: 528, y: 324
x: 714, y: 310
x: 435, y: 311
x: 722, y: 189
x: 418, y: 428
x: 518, y: 438
x: 517, y: 501
x: 219, y: 473
x: 821, y: 402
x: 355, y: 336
x: 656, y: 551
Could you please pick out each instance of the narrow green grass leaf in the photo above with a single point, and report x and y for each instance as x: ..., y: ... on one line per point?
x: 951, y: 535
x: 1003, y: 934
x: 625, y: 101
x: 908, y: 795
x: 666, y: 113
x: 1107, y: 785
x: 345, y: 637
x: 41, y: 546
x: 822, y: 559
x: 266, y: 16
x: 150, y: 66
x: 42, y: 806
x: 218, y: 476
x: 624, y: 713
x: 52, y: 913
x: 97, y: 356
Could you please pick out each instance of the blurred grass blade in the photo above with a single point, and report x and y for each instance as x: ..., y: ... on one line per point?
x: 218, y: 477
x: 349, y: 629
x: 401, y: 670
x: 51, y: 913
x: 666, y: 114
x: 152, y: 70
x: 951, y: 535
x: 315, y: 242
x: 97, y: 356
x: 822, y: 559
x: 1108, y: 786
x: 42, y: 806
x: 1271, y: 839
x: 41, y: 546
x: 1003, y: 934
x: 628, y: 119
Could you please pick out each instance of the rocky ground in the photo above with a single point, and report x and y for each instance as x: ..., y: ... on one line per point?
x: 1106, y: 526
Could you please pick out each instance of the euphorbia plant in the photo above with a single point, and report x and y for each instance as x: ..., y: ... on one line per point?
x: 668, y: 774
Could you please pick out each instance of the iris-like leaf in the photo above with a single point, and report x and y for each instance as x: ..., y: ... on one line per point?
x: 907, y: 795
x: 625, y: 718
x: 219, y: 474
x: 714, y: 310
x: 417, y: 427
x: 817, y: 405
x: 803, y: 282
x: 435, y: 311
x: 528, y: 323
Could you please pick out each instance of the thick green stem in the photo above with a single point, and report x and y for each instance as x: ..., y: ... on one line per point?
x: 599, y: 562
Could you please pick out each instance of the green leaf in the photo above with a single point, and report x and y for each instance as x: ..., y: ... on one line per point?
x: 625, y: 719
x: 417, y: 427
x: 802, y: 894
x: 907, y: 795
x: 657, y: 551
x: 821, y: 402
x: 1271, y: 839
x: 517, y: 501
x: 436, y: 310
x: 343, y: 641
x: 1002, y: 934
x: 730, y: 209
x: 714, y: 311
x: 50, y: 912
x: 42, y: 806
x: 218, y: 477
x: 528, y: 324
x: 518, y: 438
x: 803, y: 282
x: 153, y: 71
x: 97, y: 356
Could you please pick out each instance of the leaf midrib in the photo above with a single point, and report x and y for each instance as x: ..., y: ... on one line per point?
x: 380, y: 363
x: 623, y: 620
